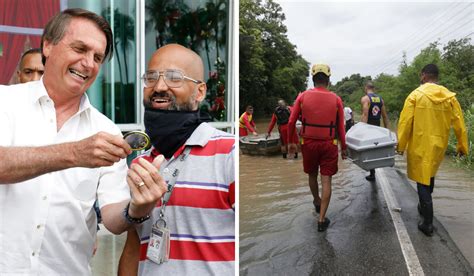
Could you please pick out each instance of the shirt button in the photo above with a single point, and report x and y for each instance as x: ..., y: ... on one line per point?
x: 38, y: 226
x: 51, y: 120
x: 45, y: 197
x: 166, y: 170
x: 33, y: 254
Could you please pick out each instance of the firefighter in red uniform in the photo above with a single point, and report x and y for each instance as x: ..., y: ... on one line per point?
x: 281, y: 117
x: 246, y: 122
x: 322, y: 115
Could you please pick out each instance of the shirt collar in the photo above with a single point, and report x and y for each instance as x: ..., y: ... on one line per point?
x: 42, y: 93
x: 201, y: 135
x: 39, y: 90
x: 85, y: 104
x: 320, y: 88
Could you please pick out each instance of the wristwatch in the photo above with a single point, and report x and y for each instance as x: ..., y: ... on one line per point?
x: 132, y: 220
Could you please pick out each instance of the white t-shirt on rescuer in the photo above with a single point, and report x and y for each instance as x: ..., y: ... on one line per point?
x: 347, y: 113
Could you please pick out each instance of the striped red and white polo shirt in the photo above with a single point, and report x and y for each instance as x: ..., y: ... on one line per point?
x: 200, y: 213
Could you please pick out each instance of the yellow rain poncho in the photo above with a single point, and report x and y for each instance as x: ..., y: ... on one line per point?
x: 425, y: 121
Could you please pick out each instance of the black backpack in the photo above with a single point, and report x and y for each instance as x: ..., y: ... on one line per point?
x: 283, y: 115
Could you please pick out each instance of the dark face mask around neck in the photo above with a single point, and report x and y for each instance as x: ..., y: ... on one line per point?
x: 169, y: 129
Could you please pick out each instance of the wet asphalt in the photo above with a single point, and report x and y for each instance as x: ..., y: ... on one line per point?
x: 361, y: 239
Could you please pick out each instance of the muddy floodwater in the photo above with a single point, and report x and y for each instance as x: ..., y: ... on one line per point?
x: 453, y: 199
x: 274, y: 192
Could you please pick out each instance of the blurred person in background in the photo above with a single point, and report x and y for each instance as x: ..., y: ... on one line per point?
x: 247, y: 123
x: 280, y: 116
x: 30, y: 67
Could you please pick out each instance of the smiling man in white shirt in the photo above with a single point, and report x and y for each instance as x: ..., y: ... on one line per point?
x: 58, y: 154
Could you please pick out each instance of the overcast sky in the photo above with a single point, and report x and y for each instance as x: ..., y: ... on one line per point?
x: 370, y: 37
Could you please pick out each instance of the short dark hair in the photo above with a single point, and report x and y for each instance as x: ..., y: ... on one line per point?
x: 431, y: 71
x: 56, y: 28
x: 369, y: 85
x: 320, y: 78
x: 30, y: 51
x: 249, y: 107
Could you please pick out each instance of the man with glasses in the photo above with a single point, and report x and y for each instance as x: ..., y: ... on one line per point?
x: 191, y: 230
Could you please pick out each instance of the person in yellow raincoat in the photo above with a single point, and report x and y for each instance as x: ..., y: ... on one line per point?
x: 423, y: 129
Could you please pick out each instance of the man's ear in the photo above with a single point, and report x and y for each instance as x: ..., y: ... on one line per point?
x: 422, y: 78
x: 201, y: 92
x: 47, y: 46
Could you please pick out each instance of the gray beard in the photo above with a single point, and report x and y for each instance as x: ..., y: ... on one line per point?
x: 189, y: 106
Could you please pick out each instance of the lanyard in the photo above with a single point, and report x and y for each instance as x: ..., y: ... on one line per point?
x: 166, y: 197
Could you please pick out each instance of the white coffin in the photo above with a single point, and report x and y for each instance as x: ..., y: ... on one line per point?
x: 371, y: 147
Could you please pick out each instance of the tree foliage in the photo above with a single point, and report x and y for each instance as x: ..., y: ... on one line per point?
x: 270, y: 67
x: 455, y: 61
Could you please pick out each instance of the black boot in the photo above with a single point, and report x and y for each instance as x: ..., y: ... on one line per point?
x: 427, y: 225
x: 296, y: 155
x: 284, y: 155
x: 426, y: 229
x: 322, y: 226
x: 317, y: 207
x: 371, y: 176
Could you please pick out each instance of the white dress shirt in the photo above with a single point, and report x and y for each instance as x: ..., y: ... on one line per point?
x: 48, y: 224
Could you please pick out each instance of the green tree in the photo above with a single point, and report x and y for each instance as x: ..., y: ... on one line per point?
x: 124, y: 35
x: 456, y: 63
x: 270, y: 67
x: 409, y: 77
x: 458, y: 70
x: 163, y: 14
x: 388, y: 87
x: 351, y: 89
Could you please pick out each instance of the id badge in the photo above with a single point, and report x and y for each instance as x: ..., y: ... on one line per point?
x: 159, y: 244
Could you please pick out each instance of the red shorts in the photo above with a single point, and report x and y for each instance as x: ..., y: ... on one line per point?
x: 283, y: 129
x: 319, y: 153
x: 243, y: 132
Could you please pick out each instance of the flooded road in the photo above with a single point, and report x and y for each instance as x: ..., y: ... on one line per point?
x: 453, y: 199
x: 278, y: 222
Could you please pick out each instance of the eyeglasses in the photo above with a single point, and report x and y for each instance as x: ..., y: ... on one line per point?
x: 172, y: 78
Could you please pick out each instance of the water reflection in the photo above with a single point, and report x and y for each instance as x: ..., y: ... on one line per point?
x: 275, y: 201
x: 453, y: 199
x: 274, y: 196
